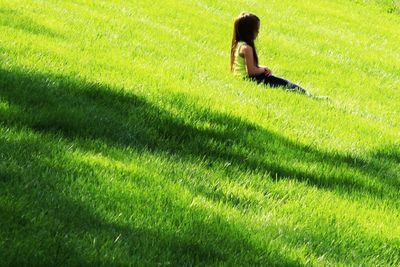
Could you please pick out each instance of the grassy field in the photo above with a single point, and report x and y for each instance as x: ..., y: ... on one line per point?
x: 125, y: 140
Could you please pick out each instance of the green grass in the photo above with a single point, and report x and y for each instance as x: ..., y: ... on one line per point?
x: 125, y: 140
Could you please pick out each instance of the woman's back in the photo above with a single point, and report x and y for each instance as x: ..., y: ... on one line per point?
x: 239, y: 64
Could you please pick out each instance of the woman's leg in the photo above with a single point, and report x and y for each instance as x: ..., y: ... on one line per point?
x: 275, y: 81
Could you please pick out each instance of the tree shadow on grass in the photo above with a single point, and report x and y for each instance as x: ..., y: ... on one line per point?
x: 78, y: 109
x: 14, y: 19
x: 388, y: 154
x: 44, y: 222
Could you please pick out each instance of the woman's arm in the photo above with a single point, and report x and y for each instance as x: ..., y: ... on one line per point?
x: 252, y: 69
x: 268, y: 71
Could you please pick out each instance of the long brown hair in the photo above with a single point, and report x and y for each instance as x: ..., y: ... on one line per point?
x: 244, y: 29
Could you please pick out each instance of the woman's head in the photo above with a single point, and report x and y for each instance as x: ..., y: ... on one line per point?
x: 245, y: 29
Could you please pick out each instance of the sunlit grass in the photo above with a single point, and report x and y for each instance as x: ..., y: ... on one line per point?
x: 125, y: 140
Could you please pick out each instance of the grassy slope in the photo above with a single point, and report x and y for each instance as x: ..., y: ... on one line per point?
x: 124, y: 140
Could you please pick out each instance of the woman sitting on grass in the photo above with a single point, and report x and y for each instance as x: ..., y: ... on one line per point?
x: 244, y: 60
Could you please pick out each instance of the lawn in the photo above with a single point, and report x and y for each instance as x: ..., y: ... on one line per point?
x: 125, y: 140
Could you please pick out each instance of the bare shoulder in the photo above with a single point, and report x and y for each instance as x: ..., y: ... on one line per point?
x: 245, y: 49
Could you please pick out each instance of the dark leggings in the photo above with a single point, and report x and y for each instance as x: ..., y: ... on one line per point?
x: 274, y: 81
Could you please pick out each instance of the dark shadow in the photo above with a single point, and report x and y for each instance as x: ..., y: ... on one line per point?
x: 388, y: 155
x: 14, y: 19
x: 46, y: 225
x: 7, y: 11
x: 75, y: 109
x: 46, y: 213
